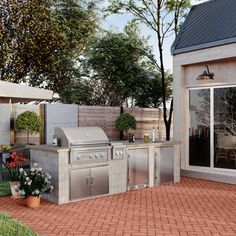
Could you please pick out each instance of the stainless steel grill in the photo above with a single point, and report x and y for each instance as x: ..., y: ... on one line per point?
x: 85, y: 143
x: 89, y: 146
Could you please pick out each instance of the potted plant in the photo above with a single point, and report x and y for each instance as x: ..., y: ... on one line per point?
x: 126, y: 122
x: 13, y: 165
x: 33, y: 183
x: 29, y: 122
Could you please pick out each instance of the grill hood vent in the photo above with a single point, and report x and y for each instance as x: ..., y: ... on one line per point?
x: 81, y: 136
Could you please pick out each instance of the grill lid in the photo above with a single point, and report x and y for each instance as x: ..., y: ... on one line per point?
x: 81, y: 136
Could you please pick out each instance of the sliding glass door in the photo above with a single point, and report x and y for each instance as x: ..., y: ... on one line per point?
x: 225, y: 128
x: 199, y: 129
x: 212, y: 127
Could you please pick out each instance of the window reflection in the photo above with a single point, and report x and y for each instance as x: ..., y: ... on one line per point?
x: 225, y: 128
x: 199, y: 130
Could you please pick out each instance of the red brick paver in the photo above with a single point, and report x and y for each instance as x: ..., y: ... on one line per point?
x: 192, y: 207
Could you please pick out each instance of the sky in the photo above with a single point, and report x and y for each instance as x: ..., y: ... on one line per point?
x: 117, y: 22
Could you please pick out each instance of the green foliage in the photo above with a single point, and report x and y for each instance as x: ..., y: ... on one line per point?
x: 164, y: 18
x: 125, y: 121
x: 77, y: 23
x: 77, y: 92
x: 76, y: 19
x: 28, y: 121
x: 5, y: 148
x: 40, y: 40
x: 5, y: 189
x: 10, y: 227
x: 34, y: 182
x: 28, y: 40
x: 118, y: 66
x: 151, y: 94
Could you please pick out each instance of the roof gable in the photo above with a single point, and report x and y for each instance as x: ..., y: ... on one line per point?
x: 208, y: 24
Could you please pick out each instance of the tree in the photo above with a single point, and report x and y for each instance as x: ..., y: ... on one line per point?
x: 29, y: 122
x: 78, y: 92
x: 164, y: 18
x: 151, y: 93
x: 118, y: 66
x: 77, y: 21
x: 41, y: 40
x: 28, y: 40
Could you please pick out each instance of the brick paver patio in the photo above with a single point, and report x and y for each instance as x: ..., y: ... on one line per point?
x: 192, y: 207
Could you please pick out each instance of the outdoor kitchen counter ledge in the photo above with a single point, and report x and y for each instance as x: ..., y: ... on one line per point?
x: 49, y: 148
x: 157, y: 143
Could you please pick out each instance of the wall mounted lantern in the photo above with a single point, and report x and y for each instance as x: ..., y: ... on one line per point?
x: 206, y: 74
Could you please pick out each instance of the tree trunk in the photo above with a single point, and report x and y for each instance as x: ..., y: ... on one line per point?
x: 167, y: 120
x: 121, y: 132
x: 27, y: 136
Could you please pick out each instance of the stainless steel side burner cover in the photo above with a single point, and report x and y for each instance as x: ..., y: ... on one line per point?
x: 81, y: 136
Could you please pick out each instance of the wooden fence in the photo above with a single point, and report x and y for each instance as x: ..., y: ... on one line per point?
x: 104, y: 117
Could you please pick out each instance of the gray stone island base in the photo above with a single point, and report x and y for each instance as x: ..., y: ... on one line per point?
x: 143, y: 165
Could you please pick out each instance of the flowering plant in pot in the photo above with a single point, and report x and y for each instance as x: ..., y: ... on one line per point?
x: 33, y: 183
x: 13, y: 164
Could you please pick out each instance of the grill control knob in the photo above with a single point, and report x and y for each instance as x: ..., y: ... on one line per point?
x: 96, y: 155
x: 121, y: 152
x: 101, y: 155
x: 117, y: 153
x: 90, y: 157
x: 78, y: 158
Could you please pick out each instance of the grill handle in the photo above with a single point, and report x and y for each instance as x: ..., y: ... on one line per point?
x: 92, y: 181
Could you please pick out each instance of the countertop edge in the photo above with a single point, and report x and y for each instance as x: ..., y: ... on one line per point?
x: 49, y: 149
x: 155, y: 144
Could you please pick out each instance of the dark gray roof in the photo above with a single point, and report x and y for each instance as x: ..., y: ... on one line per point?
x: 207, y: 25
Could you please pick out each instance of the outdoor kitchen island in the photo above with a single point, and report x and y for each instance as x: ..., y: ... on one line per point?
x: 107, y: 170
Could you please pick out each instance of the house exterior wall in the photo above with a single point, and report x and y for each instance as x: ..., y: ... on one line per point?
x: 186, y: 67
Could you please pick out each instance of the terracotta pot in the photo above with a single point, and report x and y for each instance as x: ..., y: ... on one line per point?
x: 13, y: 186
x: 33, y: 201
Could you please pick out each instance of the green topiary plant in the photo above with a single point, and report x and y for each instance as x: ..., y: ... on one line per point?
x: 125, y: 122
x: 29, y: 122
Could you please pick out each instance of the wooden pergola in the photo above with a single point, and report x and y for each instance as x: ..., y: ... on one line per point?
x: 14, y: 93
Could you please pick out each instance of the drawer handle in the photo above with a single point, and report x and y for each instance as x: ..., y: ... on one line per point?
x: 87, y: 181
x: 92, y: 181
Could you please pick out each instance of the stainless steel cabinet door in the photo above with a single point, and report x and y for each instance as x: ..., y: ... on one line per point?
x: 99, y: 180
x: 164, y: 164
x: 137, y: 167
x: 80, y: 183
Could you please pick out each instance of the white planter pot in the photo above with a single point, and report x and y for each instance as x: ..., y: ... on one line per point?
x: 14, y: 185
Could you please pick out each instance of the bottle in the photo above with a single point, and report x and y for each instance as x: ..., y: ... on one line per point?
x: 133, y: 138
x: 153, y: 135
x: 130, y: 137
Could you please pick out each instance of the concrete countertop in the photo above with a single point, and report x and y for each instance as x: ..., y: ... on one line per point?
x: 141, y: 143
x: 49, y: 148
x: 138, y: 143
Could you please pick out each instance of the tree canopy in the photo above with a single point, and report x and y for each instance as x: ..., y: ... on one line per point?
x: 40, y: 40
x: 120, y: 67
x: 164, y: 18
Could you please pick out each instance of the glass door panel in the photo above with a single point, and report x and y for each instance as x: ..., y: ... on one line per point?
x: 225, y: 128
x: 199, y: 127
